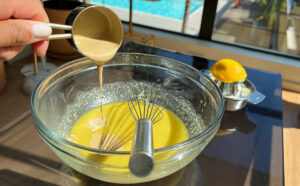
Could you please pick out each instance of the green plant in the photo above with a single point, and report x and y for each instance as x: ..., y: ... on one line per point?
x: 270, y: 9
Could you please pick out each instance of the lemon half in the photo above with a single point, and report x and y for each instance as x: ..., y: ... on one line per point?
x: 228, y: 71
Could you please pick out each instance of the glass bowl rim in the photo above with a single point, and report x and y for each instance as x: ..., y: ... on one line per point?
x: 56, y: 137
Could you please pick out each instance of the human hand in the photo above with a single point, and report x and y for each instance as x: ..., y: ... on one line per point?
x: 22, y: 23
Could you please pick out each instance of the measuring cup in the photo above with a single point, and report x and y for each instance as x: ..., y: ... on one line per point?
x: 91, y: 21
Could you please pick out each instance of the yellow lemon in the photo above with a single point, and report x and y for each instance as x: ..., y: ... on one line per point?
x: 228, y: 71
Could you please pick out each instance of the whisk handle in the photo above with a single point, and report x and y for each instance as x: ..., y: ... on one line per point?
x: 141, y: 161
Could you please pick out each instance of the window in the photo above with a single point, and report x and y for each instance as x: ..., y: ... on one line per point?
x: 260, y: 24
x: 270, y: 24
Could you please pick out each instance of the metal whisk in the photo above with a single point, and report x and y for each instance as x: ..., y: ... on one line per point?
x: 145, y: 112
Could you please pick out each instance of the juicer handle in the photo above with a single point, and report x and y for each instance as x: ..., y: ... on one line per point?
x: 256, y: 97
x: 141, y: 161
x: 205, y: 71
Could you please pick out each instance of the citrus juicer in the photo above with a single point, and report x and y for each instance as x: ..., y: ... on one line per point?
x: 231, y: 78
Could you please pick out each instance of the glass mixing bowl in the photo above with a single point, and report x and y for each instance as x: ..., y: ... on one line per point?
x: 72, y: 90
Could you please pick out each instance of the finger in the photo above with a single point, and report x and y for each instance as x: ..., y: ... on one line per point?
x: 40, y: 47
x: 23, y: 9
x: 22, y: 32
x: 7, y: 53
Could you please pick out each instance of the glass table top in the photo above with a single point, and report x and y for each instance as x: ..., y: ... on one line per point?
x: 247, y: 150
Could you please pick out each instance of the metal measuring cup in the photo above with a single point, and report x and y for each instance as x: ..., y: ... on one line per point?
x: 83, y: 21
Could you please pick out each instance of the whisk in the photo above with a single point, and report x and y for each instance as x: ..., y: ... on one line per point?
x: 113, y: 138
x: 145, y: 111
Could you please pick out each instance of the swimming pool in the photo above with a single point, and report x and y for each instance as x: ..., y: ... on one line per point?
x: 166, y: 8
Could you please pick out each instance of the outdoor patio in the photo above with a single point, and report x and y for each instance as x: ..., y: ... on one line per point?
x: 245, y: 24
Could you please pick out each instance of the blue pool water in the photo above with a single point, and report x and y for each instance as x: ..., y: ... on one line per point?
x: 166, y: 8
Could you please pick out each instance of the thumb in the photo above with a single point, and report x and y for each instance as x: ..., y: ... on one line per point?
x: 16, y: 32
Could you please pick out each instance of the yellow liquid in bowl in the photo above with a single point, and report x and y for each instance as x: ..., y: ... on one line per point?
x: 88, y: 131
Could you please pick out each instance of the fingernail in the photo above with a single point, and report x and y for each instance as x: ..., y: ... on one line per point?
x: 41, y: 30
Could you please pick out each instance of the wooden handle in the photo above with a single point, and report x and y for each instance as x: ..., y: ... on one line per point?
x: 2, y: 77
x: 35, y: 63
